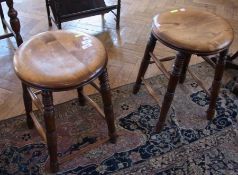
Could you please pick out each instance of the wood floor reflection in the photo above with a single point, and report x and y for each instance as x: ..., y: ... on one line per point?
x: 125, y: 46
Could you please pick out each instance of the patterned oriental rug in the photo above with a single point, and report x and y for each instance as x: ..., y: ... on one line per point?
x: 188, y: 144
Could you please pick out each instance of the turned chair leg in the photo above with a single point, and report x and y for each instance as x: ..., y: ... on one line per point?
x: 14, y: 22
x: 108, y: 108
x: 82, y: 100
x: 59, y: 25
x: 216, y: 84
x: 173, y: 81
x: 184, y: 70
x: 48, y: 12
x: 51, y: 135
x: 118, y: 16
x: 28, y: 106
x: 145, y: 62
x: 2, y: 17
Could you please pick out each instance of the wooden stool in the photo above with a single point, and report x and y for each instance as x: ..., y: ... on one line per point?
x: 58, y: 61
x: 188, y: 32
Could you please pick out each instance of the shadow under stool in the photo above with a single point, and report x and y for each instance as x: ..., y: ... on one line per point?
x: 58, y: 61
x: 188, y: 32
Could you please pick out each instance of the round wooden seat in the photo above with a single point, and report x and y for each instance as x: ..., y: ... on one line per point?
x: 194, y: 31
x: 59, y: 59
x: 188, y: 32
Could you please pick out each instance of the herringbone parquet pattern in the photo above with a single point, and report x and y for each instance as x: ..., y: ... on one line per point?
x: 125, y: 47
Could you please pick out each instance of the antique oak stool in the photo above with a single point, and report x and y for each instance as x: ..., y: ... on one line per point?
x: 58, y: 61
x: 188, y: 32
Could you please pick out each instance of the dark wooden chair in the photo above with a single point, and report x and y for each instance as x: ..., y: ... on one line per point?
x: 67, y: 10
x: 14, y: 26
x: 188, y: 32
x: 50, y: 62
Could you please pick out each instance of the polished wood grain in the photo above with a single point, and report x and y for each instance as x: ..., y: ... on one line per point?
x: 125, y: 47
x: 192, y: 30
x: 184, y: 30
x: 59, y: 59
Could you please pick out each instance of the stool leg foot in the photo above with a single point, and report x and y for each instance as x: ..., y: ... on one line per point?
x: 173, y: 81
x: 145, y: 62
x: 216, y: 84
x: 28, y: 106
x: 81, y: 98
x: 184, y: 70
x: 108, y: 108
x: 51, y: 136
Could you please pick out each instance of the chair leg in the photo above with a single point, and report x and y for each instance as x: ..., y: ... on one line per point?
x: 48, y: 12
x: 51, y: 135
x: 145, y: 62
x: 81, y: 98
x: 14, y: 22
x: 118, y: 14
x: 108, y: 108
x: 173, y: 81
x: 59, y: 25
x: 2, y: 17
x: 184, y: 70
x: 28, y: 106
x: 216, y: 84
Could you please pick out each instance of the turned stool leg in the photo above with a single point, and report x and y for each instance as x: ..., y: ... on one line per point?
x: 173, y: 81
x: 216, y: 84
x: 145, y: 62
x: 49, y: 117
x: 48, y: 12
x: 108, y: 108
x: 28, y: 106
x: 184, y: 70
x: 81, y: 98
x: 2, y: 17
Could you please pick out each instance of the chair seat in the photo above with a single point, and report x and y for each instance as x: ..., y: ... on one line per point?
x: 194, y: 31
x: 59, y: 59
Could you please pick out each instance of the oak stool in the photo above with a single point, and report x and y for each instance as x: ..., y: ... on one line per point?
x: 58, y: 61
x: 188, y: 32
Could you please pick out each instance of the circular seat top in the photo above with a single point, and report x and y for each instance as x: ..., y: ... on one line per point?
x: 192, y: 31
x: 59, y: 59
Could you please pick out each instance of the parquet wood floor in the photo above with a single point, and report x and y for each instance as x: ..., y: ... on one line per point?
x: 125, y: 47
